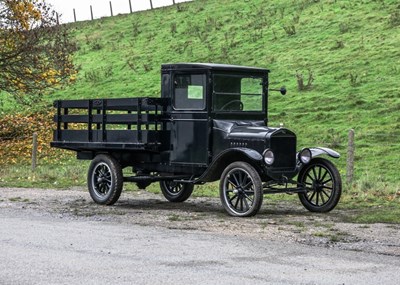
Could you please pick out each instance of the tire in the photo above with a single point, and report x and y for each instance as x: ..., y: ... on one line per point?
x: 176, y: 192
x: 105, y: 180
x: 241, y: 190
x: 323, y: 183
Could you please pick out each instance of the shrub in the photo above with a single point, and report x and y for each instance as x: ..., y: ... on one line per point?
x: 96, y: 46
x: 394, y: 19
x: 173, y: 28
x: 301, y: 86
x: 344, y: 28
x: 290, y: 29
x: 16, y: 132
x: 339, y: 45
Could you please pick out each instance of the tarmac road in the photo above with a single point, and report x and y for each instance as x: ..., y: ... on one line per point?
x: 45, y: 249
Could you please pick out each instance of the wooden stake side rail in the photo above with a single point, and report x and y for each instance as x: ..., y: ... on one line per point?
x: 132, y: 123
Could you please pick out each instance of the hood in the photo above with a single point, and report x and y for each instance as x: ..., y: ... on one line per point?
x: 243, y: 129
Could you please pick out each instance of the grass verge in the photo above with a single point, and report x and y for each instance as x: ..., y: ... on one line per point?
x: 361, y: 202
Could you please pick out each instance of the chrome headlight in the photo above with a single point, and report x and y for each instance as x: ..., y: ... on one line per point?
x: 305, y: 155
x: 269, y: 157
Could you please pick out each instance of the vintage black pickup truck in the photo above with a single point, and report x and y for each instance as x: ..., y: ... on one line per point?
x: 211, y: 123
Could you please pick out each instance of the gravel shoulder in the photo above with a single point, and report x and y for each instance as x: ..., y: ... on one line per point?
x: 277, y: 221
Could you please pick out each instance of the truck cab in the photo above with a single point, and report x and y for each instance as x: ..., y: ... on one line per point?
x: 211, y: 123
x: 219, y: 111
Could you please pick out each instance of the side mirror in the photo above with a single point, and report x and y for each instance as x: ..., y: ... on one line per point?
x: 282, y: 90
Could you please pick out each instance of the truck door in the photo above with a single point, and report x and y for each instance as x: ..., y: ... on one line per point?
x: 189, y: 120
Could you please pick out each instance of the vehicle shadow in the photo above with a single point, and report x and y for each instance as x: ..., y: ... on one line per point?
x: 210, y: 206
x: 203, y: 206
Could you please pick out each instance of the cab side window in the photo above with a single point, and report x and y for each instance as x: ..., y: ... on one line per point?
x: 190, y: 92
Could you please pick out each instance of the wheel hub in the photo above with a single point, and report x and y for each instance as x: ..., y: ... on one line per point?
x: 239, y: 191
x: 318, y: 186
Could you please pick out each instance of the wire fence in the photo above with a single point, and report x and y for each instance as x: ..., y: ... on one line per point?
x: 111, y: 8
x: 362, y: 143
x: 11, y: 138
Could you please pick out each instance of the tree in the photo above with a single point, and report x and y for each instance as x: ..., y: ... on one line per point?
x: 35, y: 52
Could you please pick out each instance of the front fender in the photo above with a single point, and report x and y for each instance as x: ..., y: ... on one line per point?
x: 318, y: 151
x: 250, y: 153
x: 223, y: 159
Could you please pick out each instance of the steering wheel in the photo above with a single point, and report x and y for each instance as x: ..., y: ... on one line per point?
x: 233, y: 102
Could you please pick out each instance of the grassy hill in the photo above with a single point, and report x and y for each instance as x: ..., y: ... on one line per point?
x: 346, y: 54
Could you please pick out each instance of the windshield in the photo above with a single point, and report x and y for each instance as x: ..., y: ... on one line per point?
x: 234, y: 93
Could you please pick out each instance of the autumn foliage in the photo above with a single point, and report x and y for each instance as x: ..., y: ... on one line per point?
x: 35, y: 52
x: 16, y: 132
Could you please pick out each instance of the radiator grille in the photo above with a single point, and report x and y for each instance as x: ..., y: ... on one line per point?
x: 284, y: 148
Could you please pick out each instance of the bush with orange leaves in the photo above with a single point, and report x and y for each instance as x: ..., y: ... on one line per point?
x: 16, y: 132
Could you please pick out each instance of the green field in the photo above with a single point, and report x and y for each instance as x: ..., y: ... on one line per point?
x: 339, y: 60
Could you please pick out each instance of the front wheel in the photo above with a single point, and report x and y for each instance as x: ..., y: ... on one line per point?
x: 175, y: 191
x: 323, y: 184
x: 241, y: 190
x: 105, y: 179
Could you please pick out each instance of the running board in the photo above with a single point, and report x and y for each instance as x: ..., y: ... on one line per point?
x: 149, y: 178
x: 284, y: 191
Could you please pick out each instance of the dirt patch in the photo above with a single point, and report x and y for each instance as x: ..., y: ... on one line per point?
x: 280, y: 221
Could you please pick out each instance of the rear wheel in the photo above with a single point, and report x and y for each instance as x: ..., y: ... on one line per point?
x: 323, y: 183
x: 175, y: 191
x: 241, y: 190
x: 105, y: 179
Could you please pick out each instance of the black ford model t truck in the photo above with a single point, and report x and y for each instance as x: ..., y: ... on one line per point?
x: 211, y: 123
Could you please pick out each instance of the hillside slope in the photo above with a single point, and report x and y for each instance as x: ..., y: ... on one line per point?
x: 348, y: 52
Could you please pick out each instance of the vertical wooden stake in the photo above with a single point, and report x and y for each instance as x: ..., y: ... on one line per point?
x: 34, y: 150
x: 151, y: 5
x: 130, y: 6
x: 111, y: 10
x: 350, y: 158
x: 58, y: 19
x: 74, y: 15
x: 173, y: 2
x: 91, y: 11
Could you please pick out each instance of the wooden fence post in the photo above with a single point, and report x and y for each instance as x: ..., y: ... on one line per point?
x: 173, y: 2
x: 130, y: 6
x: 111, y: 10
x: 58, y: 19
x: 91, y: 12
x: 151, y: 5
x: 34, y: 150
x: 74, y: 15
x: 350, y: 158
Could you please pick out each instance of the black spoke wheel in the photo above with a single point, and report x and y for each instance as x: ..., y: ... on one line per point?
x: 105, y: 180
x: 323, y: 184
x: 241, y: 190
x: 175, y: 191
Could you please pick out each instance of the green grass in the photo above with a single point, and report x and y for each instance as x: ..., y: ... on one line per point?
x: 58, y: 175
x: 370, y: 215
x: 350, y: 48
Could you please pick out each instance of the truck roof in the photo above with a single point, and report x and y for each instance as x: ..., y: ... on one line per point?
x: 211, y: 66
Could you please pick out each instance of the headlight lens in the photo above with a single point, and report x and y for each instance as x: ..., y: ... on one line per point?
x: 269, y: 157
x: 305, y: 156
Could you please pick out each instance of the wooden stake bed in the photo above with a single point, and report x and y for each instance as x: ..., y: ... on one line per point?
x: 110, y: 124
